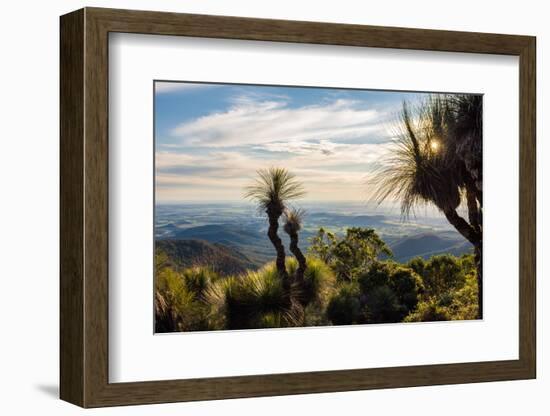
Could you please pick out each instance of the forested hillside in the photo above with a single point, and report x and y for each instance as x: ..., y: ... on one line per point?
x: 348, y: 280
x: 220, y: 258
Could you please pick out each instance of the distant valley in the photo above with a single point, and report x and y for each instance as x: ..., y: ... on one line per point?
x: 233, y: 237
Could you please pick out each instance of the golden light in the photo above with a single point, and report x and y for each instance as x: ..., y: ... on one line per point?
x: 434, y: 144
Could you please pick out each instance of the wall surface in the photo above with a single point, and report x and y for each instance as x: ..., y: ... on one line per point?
x: 29, y: 209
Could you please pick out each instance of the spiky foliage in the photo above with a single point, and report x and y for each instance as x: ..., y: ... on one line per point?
x: 258, y: 299
x: 319, y: 281
x: 179, y: 303
x: 294, y: 218
x: 420, y: 170
x: 437, y: 159
x: 273, y: 188
x: 247, y: 301
x: 198, y: 279
x: 467, y: 129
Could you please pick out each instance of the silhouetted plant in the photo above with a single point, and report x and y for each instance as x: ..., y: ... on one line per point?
x: 318, y: 282
x: 437, y: 159
x: 272, y: 189
x: 293, y: 224
x: 257, y: 299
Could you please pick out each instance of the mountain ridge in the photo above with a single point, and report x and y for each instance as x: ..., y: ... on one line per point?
x: 426, y: 245
x: 189, y: 253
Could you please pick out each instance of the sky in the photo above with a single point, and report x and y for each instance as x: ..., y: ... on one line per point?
x: 210, y: 139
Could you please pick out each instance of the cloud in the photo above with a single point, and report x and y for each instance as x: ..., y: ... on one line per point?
x: 225, y: 162
x: 324, y: 147
x: 328, y: 170
x: 168, y: 87
x: 256, y: 120
x: 326, y: 151
x: 333, y: 147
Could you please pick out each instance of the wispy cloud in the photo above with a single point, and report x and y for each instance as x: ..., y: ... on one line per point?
x: 328, y: 170
x: 333, y: 146
x: 256, y: 121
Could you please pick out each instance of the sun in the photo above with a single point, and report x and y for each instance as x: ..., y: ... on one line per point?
x: 434, y: 144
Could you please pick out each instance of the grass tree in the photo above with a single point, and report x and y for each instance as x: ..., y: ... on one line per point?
x: 293, y: 224
x: 272, y: 190
x: 258, y: 299
x: 437, y: 160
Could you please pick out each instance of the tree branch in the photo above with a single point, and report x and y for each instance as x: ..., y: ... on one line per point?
x: 462, y: 226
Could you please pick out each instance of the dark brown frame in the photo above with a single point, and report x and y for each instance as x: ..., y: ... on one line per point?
x: 84, y: 207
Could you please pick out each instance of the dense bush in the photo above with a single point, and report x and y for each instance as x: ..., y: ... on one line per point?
x: 372, y: 291
x: 344, y: 308
x: 319, y: 281
x: 350, y: 255
x: 429, y: 311
x: 390, y: 291
x: 253, y: 300
x: 450, y: 288
x: 257, y: 299
x: 386, y: 292
x: 179, y: 302
x: 442, y: 274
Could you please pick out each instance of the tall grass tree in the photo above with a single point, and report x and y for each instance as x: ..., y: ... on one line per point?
x: 293, y: 224
x: 436, y: 159
x: 271, y: 190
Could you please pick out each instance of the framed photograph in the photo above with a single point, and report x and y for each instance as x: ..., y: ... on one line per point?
x: 255, y: 207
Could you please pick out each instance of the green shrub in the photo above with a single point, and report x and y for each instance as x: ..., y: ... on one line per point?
x: 450, y: 288
x: 383, y: 306
x: 442, y: 274
x: 257, y: 299
x: 345, y: 307
x: 458, y: 304
x: 429, y: 311
x: 178, y: 307
x: 389, y: 291
x: 418, y: 265
x: 350, y: 255
x: 464, y: 300
x: 197, y: 280
x: 319, y: 281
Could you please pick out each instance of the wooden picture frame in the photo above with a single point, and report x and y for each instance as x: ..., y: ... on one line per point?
x: 84, y: 207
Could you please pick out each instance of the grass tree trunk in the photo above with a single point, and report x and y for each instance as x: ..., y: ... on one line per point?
x: 478, y: 260
x: 474, y: 216
x: 474, y: 213
x: 299, y: 256
x: 462, y: 226
x: 473, y: 235
x: 300, y: 271
x: 272, y: 233
x: 165, y: 317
